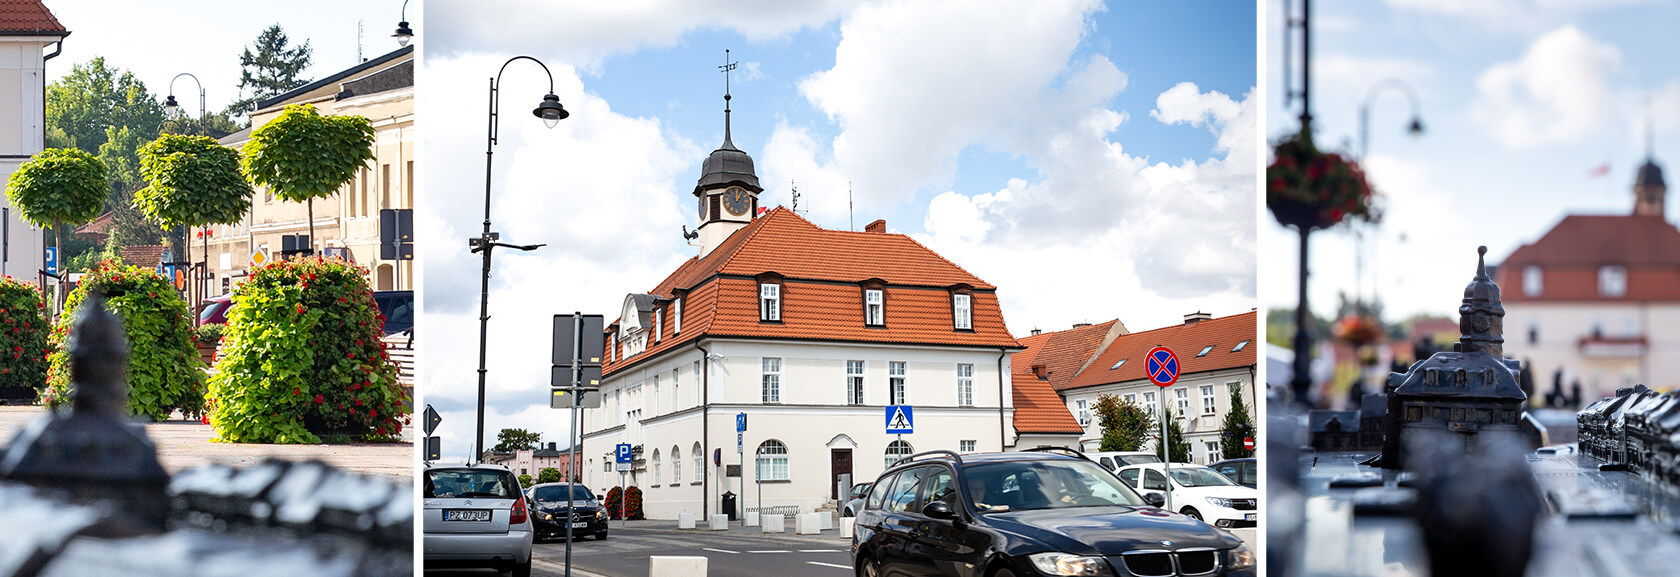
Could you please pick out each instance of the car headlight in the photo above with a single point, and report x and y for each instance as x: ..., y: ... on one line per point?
x: 1239, y: 557
x: 546, y: 517
x: 1218, y: 502
x: 1066, y: 564
x: 600, y: 513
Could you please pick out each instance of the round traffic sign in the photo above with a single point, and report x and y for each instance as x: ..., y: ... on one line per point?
x: 1248, y: 444
x: 1162, y: 366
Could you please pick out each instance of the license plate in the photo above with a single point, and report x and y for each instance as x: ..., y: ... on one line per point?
x: 580, y: 525
x: 466, y: 515
x: 1248, y: 517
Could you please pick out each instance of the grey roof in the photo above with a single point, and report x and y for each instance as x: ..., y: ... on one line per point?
x: 235, y: 138
x: 393, y: 78
x: 644, y: 308
x: 727, y: 165
x: 336, y: 78
x: 1649, y: 174
x: 1476, y: 365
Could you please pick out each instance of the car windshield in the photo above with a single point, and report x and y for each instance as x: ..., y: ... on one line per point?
x: 468, y: 483
x: 558, y: 493
x: 1199, y: 478
x: 1128, y: 460
x: 1048, y: 484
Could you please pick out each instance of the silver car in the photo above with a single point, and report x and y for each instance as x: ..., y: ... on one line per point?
x: 476, y: 516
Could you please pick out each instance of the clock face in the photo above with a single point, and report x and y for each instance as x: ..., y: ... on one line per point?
x: 702, y: 207
x: 736, y: 200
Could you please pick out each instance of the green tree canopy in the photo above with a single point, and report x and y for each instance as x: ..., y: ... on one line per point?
x: 191, y: 181
x: 1125, y: 426
x: 93, y: 97
x: 273, y: 69
x: 510, y: 440
x: 1175, y: 439
x: 549, y: 475
x: 1238, y: 425
x: 59, y: 186
x: 302, y: 155
x: 524, y: 480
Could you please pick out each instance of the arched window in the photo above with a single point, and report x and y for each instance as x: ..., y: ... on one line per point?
x: 656, y: 467
x: 699, y: 463
x: 772, y: 461
x: 898, y: 450
x: 676, y: 465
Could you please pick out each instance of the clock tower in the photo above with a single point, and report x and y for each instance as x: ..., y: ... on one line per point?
x: 727, y: 193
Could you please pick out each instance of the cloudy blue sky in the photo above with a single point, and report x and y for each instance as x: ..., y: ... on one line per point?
x: 157, y: 41
x: 1093, y: 160
x: 1521, y: 99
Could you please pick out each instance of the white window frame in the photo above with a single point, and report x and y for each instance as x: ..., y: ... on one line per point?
x: 1181, y: 396
x: 699, y: 463
x: 854, y: 382
x: 1210, y: 401
x: 676, y: 316
x: 898, y: 449
x: 1149, y: 404
x: 874, y: 307
x: 1082, y: 408
x: 770, y: 461
x: 966, y: 446
x: 1131, y: 399
x: 676, y: 389
x: 676, y: 465
x: 1212, y: 451
x: 654, y: 401
x: 769, y: 301
x: 898, y: 384
x: 656, y: 469
x: 1612, y: 281
x: 962, y: 312
x: 697, y: 388
x: 658, y: 324
x: 770, y: 390
x: 1534, y: 279
x: 965, y: 384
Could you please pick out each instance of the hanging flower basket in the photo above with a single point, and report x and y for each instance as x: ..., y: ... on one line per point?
x: 1358, y: 330
x: 1309, y: 189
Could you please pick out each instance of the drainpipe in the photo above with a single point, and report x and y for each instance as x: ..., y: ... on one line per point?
x: 705, y: 427
x: 42, y: 254
x: 1003, y: 437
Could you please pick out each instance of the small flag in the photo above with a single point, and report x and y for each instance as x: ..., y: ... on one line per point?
x: 1600, y: 170
x: 761, y: 211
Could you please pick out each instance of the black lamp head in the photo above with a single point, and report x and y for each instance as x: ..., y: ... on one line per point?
x: 170, y: 102
x: 404, y: 33
x: 550, y: 110
x: 1416, y: 129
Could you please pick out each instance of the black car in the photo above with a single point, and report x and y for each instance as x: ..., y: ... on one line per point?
x: 550, y: 508
x: 1030, y: 513
x: 1245, y: 472
x: 398, y: 309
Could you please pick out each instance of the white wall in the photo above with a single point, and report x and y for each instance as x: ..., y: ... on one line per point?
x: 1199, y: 427
x: 22, y: 116
x: 1562, y: 325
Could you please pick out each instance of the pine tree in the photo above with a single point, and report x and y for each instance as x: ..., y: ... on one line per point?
x: 1238, y: 425
x: 274, y: 69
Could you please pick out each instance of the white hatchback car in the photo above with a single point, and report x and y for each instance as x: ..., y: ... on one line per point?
x: 476, y: 516
x: 1199, y: 492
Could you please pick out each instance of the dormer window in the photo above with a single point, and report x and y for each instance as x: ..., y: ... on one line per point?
x: 676, y: 316
x: 1240, y: 346
x: 962, y: 312
x: 658, y: 323
x: 1612, y: 281
x: 1205, y: 351
x: 1533, y: 280
x: 769, y: 302
x: 874, y: 308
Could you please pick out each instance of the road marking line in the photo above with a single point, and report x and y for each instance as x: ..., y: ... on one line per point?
x: 720, y: 550
x: 829, y: 565
x: 820, y: 551
x: 772, y: 551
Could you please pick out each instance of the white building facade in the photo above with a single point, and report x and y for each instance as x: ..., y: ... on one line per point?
x: 28, y: 38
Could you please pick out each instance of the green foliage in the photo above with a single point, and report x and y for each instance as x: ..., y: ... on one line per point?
x: 302, y: 155
x: 1175, y: 439
x: 510, y: 440
x: 549, y: 475
x: 85, y: 104
x: 1125, y: 426
x: 58, y: 184
x: 208, y: 334
x: 1238, y: 425
x: 302, y: 359
x: 164, y: 372
x: 1280, y: 327
x: 212, y: 124
x: 272, y: 70
x: 91, y: 258
x: 191, y: 181
x: 524, y: 480
x: 23, y: 340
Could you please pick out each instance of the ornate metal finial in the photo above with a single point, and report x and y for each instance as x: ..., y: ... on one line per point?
x: 728, y: 66
x: 1481, y: 317
x: 1481, y: 263
x: 99, y: 359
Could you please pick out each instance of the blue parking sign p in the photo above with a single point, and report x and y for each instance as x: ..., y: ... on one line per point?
x: 622, y: 453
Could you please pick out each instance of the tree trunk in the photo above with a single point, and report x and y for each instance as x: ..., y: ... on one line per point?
x: 311, y: 202
x: 58, y: 249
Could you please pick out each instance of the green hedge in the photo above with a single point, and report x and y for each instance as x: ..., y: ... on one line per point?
x: 23, y: 340
x: 302, y: 361
x: 165, y: 374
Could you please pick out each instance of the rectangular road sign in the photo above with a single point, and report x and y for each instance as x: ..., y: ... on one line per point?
x: 740, y: 422
x: 900, y: 420
x: 434, y: 448
x: 622, y: 467
x: 594, y: 340
x: 739, y: 443
x: 560, y: 377
x: 52, y: 260
x: 562, y: 399
x: 622, y: 453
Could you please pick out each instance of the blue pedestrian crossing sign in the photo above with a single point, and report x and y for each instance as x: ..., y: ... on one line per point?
x: 52, y: 260
x: 622, y: 452
x: 900, y: 420
x: 740, y: 422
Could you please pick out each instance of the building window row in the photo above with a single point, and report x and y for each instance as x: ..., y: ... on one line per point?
x: 874, y: 307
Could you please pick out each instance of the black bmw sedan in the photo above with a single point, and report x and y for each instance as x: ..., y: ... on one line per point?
x: 551, y: 512
x: 1029, y: 513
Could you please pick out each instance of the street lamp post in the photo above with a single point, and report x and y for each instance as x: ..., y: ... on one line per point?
x: 1415, y: 128
x: 173, y: 106
x: 404, y: 33
x: 551, y: 113
x: 194, y: 270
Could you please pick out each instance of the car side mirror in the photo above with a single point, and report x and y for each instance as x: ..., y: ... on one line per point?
x: 1154, y: 499
x: 600, y: 497
x: 938, y: 510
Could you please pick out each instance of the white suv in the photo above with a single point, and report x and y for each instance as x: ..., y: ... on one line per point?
x: 476, y: 516
x: 1199, y: 492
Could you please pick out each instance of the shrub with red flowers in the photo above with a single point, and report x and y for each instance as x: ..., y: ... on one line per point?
x: 614, y: 496
x: 165, y: 374
x: 1305, y: 187
x: 23, y: 341
x: 633, y: 502
x: 303, y: 362
x: 1358, y: 330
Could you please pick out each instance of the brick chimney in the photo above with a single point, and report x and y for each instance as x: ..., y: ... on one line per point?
x: 1036, y: 332
x: 1197, y: 317
x: 552, y: 445
x: 877, y: 227
x: 1081, y: 325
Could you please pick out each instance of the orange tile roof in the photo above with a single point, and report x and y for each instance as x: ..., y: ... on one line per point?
x: 142, y: 255
x: 1038, y: 409
x: 821, y: 297
x: 28, y: 17
x: 1062, y: 353
x: 1185, y: 340
x: 1570, y: 254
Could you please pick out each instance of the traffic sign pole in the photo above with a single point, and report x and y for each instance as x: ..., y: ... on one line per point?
x: 1162, y: 367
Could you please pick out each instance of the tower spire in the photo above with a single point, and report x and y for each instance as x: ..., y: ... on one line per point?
x: 728, y: 66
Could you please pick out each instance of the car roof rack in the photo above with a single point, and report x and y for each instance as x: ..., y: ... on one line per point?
x: 1070, y: 450
x: 943, y: 452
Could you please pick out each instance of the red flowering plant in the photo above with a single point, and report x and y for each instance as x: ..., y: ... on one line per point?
x: 1358, y: 329
x: 302, y: 360
x: 165, y: 374
x: 23, y: 341
x: 1313, y: 189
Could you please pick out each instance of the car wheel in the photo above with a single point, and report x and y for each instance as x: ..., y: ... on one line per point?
x: 1192, y: 513
x: 868, y: 568
x: 1003, y: 572
x: 602, y: 536
x: 522, y: 570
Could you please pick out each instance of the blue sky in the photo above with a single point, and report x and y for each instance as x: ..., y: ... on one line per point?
x: 1058, y: 150
x: 1521, y: 101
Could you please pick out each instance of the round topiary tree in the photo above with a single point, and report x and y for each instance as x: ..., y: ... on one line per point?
x: 302, y: 156
x: 58, y: 187
x: 164, y: 372
x: 302, y: 361
x: 191, y: 181
x: 23, y: 341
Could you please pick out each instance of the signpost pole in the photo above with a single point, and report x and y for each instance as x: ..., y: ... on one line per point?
x: 571, y: 430
x: 1162, y: 367
x: 1166, y: 448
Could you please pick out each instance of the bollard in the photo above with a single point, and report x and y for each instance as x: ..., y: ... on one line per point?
x: 805, y: 523
x: 825, y: 521
x: 848, y: 525
x: 685, y: 520
x: 752, y: 519
x: 772, y: 523
x: 720, y: 522
x: 662, y: 566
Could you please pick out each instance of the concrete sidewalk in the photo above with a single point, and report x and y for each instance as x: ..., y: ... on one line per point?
x: 186, y: 444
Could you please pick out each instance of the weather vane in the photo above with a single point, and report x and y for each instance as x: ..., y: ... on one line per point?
x: 726, y: 68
